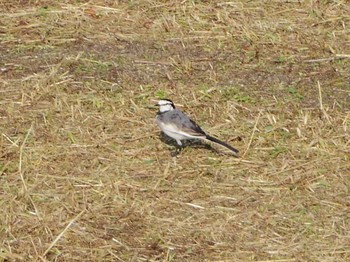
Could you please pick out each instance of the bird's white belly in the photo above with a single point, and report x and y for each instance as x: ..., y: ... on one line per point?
x: 175, y: 132
x: 175, y: 135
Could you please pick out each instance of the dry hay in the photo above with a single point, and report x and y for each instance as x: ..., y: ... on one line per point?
x: 84, y: 175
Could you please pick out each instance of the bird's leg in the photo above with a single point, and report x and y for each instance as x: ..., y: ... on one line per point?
x: 176, y: 152
x: 178, y: 149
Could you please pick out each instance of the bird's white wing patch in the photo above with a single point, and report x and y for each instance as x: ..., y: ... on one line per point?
x: 185, y: 132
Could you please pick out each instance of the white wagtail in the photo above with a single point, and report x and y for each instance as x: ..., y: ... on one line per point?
x: 179, y: 126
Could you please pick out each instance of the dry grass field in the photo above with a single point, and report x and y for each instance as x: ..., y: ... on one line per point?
x: 85, y: 175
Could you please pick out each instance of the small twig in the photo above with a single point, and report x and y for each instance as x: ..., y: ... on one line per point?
x: 320, y: 95
x: 151, y: 62
x: 188, y: 204
x: 21, y: 157
x: 21, y: 172
x: 120, y: 243
x: 337, y: 56
x: 14, y: 143
x: 62, y: 233
x: 251, y: 137
x: 319, y: 60
x: 321, y: 102
x: 195, y: 206
x: 345, y: 121
x: 108, y: 8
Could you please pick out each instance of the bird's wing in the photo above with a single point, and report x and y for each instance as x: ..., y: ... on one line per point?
x: 184, y: 125
x: 177, y: 122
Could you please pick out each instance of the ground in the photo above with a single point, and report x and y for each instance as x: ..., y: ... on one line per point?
x: 85, y: 174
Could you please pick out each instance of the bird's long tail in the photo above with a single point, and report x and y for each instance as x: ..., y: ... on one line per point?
x: 215, y: 140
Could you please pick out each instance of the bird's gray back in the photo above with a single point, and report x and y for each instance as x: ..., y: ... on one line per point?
x: 178, y: 118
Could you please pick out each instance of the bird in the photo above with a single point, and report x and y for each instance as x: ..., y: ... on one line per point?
x: 177, y: 125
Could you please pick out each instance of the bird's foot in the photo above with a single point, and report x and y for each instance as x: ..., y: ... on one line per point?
x: 176, y: 152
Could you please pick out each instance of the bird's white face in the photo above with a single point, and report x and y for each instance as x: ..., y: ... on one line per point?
x: 165, y: 105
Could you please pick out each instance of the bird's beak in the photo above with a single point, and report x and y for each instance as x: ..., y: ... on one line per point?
x: 155, y: 102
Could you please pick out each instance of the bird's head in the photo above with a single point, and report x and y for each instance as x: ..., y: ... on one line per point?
x: 165, y: 105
